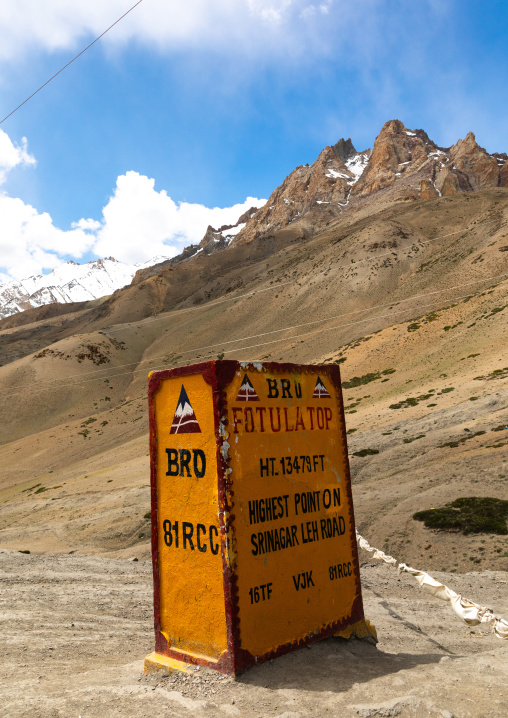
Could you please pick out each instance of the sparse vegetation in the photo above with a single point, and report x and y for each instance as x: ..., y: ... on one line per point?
x: 88, y: 421
x: 496, y: 374
x: 51, y: 353
x: 413, y: 438
x: 410, y: 401
x: 47, y: 488
x: 31, y: 488
x: 366, y: 378
x: 94, y: 353
x: 457, y: 442
x: 468, y: 515
x: 366, y: 452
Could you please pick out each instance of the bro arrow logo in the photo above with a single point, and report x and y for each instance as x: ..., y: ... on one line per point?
x: 184, y: 420
x: 247, y: 391
x: 320, y: 390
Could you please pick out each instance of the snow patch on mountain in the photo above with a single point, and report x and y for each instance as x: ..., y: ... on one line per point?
x: 69, y: 282
x: 356, y: 165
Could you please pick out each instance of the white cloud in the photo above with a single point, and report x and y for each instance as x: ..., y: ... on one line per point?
x: 12, y: 155
x: 170, y: 24
x: 30, y: 242
x: 91, y: 224
x: 140, y: 223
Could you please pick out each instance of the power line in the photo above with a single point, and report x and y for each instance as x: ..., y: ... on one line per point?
x: 298, y: 336
x: 275, y: 286
x: 275, y: 341
x: 283, y: 329
x: 71, y: 61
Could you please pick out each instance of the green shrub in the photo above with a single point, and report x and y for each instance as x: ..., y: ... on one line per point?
x: 462, y: 440
x: 414, y: 438
x: 366, y: 452
x: 366, y: 378
x: 468, y: 515
x: 410, y: 401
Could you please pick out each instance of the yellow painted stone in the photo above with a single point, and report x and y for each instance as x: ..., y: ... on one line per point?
x: 253, y: 537
x: 192, y: 612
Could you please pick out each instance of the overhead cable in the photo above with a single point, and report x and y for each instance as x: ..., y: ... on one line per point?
x: 221, y: 345
x: 71, y: 61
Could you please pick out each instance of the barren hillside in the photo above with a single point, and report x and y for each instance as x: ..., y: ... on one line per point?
x: 411, y: 301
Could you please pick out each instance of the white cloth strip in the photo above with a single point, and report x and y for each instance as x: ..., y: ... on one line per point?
x: 471, y: 613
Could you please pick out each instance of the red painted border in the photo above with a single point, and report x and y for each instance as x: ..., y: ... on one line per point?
x: 219, y: 375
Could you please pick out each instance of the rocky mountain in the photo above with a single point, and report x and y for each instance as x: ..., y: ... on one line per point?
x: 403, y: 165
x: 339, y: 186
x: 70, y: 282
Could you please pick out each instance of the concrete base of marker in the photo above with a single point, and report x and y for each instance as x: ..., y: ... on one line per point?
x: 363, y: 630
x: 155, y: 662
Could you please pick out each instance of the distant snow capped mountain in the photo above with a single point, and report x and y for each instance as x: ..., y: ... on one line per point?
x: 69, y: 282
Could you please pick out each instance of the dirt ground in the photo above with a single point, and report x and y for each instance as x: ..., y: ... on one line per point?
x: 75, y: 630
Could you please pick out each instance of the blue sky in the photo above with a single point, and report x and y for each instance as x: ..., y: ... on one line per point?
x: 215, y: 102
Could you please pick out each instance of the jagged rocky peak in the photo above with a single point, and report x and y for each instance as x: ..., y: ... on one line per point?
x: 404, y: 165
x: 473, y: 168
x: 396, y: 152
x: 344, y: 150
x: 222, y: 237
x: 312, y: 194
x: 410, y: 163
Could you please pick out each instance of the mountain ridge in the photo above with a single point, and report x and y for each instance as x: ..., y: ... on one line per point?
x: 70, y: 282
x: 346, y: 179
x: 340, y: 185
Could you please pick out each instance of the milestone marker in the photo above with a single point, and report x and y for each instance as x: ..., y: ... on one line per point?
x: 253, y: 536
